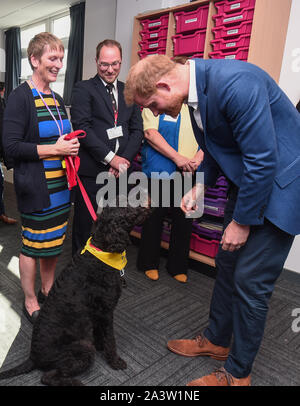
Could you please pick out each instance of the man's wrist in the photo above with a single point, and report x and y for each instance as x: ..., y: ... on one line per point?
x: 108, y: 158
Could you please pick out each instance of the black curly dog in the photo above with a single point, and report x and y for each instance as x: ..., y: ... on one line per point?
x: 76, y: 320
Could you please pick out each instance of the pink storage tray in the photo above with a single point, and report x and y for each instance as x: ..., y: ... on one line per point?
x: 200, y: 55
x: 221, y: 181
x: 233, y: 6
x: 151, y: 45
x: 191, y: 20
x: 165, y: 236
x: 240, y: 54
x: 229, y: 32
x: 214, y: 207
x: 232, y: 19
x: 143, y: 54
x: 162, y: 21
x: 203, y: 246
x: 138, y: 229
x: 205, y: 232
x: 154, y: 35
x: 226, y: 45
x: 189, y: 44
x: 217, y: 192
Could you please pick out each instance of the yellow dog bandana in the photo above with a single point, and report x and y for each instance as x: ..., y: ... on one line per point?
x: 113, y: 259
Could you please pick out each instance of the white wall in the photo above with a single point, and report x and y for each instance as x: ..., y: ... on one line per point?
x: 100, y: 23
x: 290, y: 71
x: 290, y: 82
x: 2, y: 56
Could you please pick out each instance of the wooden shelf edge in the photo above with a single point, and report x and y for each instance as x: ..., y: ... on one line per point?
x: 192, y: 254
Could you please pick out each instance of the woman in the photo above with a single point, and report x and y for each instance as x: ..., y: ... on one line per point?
x: 169, y: 146
x: 35, y: 123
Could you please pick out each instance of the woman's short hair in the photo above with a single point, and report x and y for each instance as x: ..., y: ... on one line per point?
x: 144, y: 75
x: 38, y: 43
x: 108, y: 43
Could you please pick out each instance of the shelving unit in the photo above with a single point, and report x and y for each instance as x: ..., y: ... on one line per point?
x: 269, y: 28
x: 250, y: 30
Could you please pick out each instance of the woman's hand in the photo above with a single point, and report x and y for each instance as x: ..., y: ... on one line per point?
x: 61, y: 147
x: 192, y: 203
x: 181, y: 162
x: 64, y: 147
x: 196, y: 160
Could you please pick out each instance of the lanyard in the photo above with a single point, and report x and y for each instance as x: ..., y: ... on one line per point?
x: 116, y: 117
x: 60, y: 129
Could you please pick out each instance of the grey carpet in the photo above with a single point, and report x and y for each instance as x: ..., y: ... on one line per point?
x: 148, y: 314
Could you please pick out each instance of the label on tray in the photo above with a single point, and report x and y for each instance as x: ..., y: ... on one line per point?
x: 191, y: 20
x: 227, y: 20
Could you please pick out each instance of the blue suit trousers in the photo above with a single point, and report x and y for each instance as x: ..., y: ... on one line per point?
x: 244, y: 285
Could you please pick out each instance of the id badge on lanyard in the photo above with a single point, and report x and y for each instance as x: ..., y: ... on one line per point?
x: 61, y: 127
x: 116, y: 131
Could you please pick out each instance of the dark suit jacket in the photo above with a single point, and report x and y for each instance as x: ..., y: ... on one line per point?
x: 252, y: 132
x: 92, y: 112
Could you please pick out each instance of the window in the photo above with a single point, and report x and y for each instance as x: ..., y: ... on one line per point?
x: 58, y: 25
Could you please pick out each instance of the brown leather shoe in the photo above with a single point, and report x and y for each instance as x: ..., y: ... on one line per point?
x: 7, y: 220
x: 221, y: 378
x: 198, y: 346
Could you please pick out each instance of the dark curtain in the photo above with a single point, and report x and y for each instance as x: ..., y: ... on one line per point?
x: 13, y: 59
x: 75, y: 50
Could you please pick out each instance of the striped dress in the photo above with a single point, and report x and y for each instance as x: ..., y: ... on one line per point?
x: 43, y: 232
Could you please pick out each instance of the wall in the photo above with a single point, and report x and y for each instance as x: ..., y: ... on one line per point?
x: 290, y: 71
x: 2, y: 56
x: 100, y: 23
x: 290, y: 83
x: 114, y: 19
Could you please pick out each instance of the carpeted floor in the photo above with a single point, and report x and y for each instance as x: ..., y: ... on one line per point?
x: 148, y: 314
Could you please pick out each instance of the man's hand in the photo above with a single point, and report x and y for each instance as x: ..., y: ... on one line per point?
x: 118, y: 165
x: 235, y: 236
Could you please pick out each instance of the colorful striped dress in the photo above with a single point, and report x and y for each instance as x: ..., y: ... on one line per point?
x: 43, y: 232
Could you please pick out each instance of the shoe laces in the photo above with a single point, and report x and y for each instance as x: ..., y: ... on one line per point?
x: 200, y: 338
x: 221, y: 373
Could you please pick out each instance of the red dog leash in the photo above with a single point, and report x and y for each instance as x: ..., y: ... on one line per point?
x: 72, y: 166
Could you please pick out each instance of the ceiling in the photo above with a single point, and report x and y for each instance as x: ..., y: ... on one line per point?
x: 22, y: 12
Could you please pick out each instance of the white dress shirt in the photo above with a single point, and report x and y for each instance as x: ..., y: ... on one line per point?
x: 193, y: 97
x: 111, y: 154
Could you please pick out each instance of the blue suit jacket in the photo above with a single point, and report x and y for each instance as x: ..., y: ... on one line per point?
x: 252, y: 133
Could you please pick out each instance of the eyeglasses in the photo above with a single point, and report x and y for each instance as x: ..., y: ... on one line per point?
x: 106, y: 65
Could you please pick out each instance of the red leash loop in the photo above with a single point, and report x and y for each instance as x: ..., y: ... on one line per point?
x: 72, y: 166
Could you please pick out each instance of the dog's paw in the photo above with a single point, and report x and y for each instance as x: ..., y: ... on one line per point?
x: 118, y: 363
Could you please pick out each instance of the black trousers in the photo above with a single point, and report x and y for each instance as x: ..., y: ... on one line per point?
x: 149, y: 249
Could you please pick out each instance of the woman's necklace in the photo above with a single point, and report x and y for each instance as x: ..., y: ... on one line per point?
x: 61, y: 127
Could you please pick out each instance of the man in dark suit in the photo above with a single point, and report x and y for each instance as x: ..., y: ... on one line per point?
x: 3, y: 217
x: 248, y: 128
x: 114, y: 132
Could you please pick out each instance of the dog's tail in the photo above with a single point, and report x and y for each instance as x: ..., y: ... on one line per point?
x: 23, y: 368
